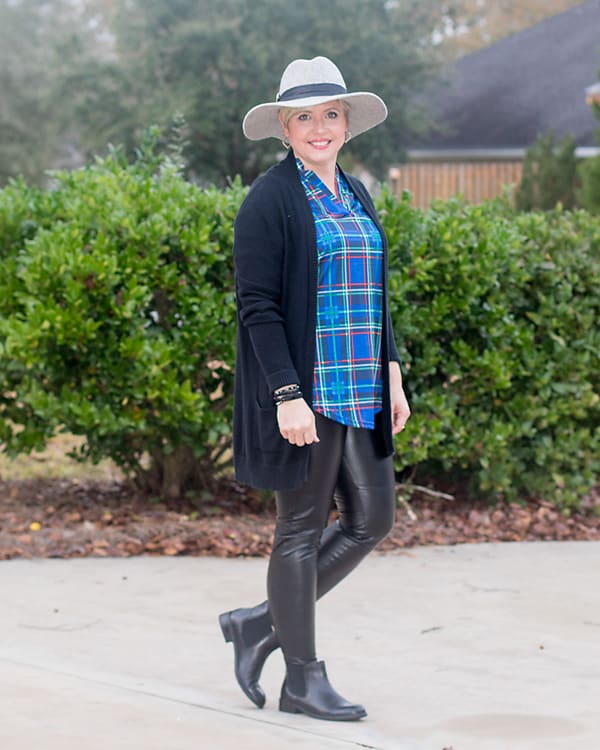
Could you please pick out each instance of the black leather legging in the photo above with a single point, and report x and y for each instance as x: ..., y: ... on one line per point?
x: 308, y: 560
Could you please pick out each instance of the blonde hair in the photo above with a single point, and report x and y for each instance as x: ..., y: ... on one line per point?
x: 285, y: 113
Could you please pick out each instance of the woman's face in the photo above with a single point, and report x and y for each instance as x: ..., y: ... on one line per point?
x: 317, y: 134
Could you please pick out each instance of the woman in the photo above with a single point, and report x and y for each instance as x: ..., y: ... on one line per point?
x: 318, y: 389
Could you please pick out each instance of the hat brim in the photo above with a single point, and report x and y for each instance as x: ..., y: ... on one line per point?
x: 366, y: 111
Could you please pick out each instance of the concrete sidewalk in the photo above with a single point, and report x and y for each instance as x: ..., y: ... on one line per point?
x: 475, y: 647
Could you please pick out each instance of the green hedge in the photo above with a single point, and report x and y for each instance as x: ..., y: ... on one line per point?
x: 118, y: 318
x: 497, y: 316
x: 118, y: 323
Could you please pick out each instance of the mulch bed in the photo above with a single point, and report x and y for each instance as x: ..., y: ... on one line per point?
x: 73, y: 518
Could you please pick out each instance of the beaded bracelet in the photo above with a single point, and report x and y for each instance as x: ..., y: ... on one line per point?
x: 291, y: 396
x: 286, y: 389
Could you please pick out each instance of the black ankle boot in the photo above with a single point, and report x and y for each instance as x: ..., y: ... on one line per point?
x: 307, y: 690
x: 250, y: 630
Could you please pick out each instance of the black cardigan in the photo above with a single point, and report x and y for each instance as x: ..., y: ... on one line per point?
x: 275, y: 258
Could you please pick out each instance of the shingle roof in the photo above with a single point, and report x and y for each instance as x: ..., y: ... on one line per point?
x: 531, y: 82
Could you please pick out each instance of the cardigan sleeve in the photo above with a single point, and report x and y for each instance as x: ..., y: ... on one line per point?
x: 392, y: 348
x: 258, y: 259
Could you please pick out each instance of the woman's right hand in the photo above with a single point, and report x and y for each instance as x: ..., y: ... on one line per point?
x: 296, y: 422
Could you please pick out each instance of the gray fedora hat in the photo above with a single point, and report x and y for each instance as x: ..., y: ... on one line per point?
x: 306, y: 83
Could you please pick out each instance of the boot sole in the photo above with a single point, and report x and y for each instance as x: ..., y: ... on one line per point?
x: 290, y: 707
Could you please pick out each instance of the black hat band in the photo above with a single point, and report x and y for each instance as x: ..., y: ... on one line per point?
x: 311, y: 89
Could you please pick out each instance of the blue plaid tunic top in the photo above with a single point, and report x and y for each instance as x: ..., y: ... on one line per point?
x: 347, y: 381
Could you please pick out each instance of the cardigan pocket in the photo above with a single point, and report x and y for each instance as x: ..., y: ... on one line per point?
x: 270, y: 439
x: 264, y: 397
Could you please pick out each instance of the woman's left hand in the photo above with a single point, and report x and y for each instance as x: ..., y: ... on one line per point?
x: 399, y: 404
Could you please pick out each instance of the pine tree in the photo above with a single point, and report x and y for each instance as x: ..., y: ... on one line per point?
x: 549, y: 174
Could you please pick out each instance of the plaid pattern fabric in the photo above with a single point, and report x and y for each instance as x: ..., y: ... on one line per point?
x: 347, y: 382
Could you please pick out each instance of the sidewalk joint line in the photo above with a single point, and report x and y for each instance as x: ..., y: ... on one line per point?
x: 202, y: 706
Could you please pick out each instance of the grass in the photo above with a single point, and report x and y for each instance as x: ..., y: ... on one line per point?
x: 54, y: 463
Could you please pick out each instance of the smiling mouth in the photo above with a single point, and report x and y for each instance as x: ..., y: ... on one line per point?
x: 319, y: 144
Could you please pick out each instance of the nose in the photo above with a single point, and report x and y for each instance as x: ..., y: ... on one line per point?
x: 321, y: 123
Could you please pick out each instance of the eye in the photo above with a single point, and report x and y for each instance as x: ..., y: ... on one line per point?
x: 303, y: 116
x: 333, y: 114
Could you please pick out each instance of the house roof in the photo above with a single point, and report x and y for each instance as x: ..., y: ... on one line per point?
x: 529, y: 83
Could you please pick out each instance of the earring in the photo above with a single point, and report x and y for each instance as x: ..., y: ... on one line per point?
x: 348, y: 136
x: 285, y: 141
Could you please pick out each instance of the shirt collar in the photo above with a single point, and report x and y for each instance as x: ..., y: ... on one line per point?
x: 311, y: 178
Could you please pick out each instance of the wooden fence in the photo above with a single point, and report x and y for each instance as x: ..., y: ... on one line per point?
x: 475, y: 180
